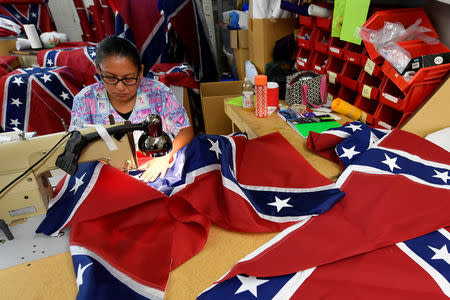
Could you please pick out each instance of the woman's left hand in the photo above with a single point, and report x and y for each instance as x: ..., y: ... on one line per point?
x: 155, y: 167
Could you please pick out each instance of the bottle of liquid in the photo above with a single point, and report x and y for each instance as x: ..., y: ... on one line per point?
x: 247, y: 95
x: 261, y: 96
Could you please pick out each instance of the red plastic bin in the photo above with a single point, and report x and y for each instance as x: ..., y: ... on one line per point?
x: 324, y: 23
x: 353, y: 53
x: 369, y: 106
x: 349, y: 75
x: 332, y: 90
x: 368, y: 86
x: 392, y: 96
x: 306, y: 21
x: 304, y: 58
x: 305, y: 36
x: 387, y: 117
x: 417, y: 48
x: 347, y: 94
x: 406, y: 16
x: 370, y: 67
x: 319, y: 62
x: 321, y: 40
x: 333, y: 69
x: 336, y: 47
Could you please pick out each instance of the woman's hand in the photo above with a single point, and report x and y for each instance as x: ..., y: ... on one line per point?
x: 155, y: 167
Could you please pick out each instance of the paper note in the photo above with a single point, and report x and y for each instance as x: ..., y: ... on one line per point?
x: 366, y: 91
x: 355, y: 15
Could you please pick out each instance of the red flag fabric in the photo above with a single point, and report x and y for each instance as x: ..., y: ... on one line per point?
x: 38, y: 99
x: 394, y: 192
x: 79, y: 57
x: 28, y: 12
x: 137, y: 234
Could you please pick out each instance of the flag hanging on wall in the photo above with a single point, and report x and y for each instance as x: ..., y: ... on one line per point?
x: 28, y: 12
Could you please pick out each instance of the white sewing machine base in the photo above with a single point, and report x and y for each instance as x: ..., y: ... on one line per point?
x: 28, y: 246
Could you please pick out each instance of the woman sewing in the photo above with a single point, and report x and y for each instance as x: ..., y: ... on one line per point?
x: 125, y: 94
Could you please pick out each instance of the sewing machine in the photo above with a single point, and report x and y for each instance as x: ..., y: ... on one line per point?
x: 26, y: 164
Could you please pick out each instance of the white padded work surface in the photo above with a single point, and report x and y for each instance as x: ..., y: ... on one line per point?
x: 28, y: 246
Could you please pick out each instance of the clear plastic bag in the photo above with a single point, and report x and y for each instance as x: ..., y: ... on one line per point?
x: 385, y: 41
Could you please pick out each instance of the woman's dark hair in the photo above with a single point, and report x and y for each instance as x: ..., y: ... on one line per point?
x: 117, y: 46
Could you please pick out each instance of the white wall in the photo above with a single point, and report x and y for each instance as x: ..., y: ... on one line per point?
x: 66, y: 18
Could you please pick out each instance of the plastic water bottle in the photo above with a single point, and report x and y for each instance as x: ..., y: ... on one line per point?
x: 247, y: 95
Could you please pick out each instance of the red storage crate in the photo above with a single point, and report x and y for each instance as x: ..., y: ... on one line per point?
x: 306, y: 21
x: 336, y: 47
x: 319, y: 62
x: 353, y: 53
x: 417, y: 48
x: 305, y: 36
x: 369, y: 106
x: 369, y: 66
x: 349, y: 75
x: 368, y: 86
x: 392, y: 96
x: 304, y: 58
x: 347, y: 94
x: 406, y: 16
x: 324, y: 23
x: 333, y: 69
x: 332, y: 90
x: 387, y: 117
x: 321, y: 40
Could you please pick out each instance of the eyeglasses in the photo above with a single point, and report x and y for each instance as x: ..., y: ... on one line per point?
x: 115, y: 80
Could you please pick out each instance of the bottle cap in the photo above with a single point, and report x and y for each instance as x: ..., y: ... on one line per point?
x: 260, y: 79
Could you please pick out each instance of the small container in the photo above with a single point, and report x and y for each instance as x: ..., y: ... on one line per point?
x: 247, y: 95
x: 261, y: 96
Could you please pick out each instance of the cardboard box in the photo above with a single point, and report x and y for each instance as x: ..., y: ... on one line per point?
x: 212, y: 95
x: 6, y: 45
x: 240, y: 56
x: 239, y: 39
x: 262, y: 36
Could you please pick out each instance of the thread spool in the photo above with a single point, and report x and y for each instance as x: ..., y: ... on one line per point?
x: 32, y: 35
x: 319, y: 11
x: 351, y: 111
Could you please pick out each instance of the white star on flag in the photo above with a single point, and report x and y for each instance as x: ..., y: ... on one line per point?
x: 441, y: 253
x: 444, y: 176
x: 373, y: 139
x: 280, y: 203
x: 49, y: 62
x: 354, y: 127
x: 391, y: 162
x: 92, y: 54
x: 64, y: 95
x: 349, y: 152
x: 78, y: 182
x: 15, y: 122
x: 80, y: 274
x: 29, y: 68
x: 215, y: 147
x: 34, y: 15
x: 250, y: 284
x: 46, y: 77
x: 15, y: 101
x: 17, y: 80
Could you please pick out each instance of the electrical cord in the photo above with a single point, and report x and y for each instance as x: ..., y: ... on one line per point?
x: 36, y: 163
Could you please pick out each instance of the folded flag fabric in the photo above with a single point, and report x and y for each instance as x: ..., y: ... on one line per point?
x: 80, y: 60
x: 29, y: 12
x: 137, y: 233
x: 396, y: 190
x: 38, y: 99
